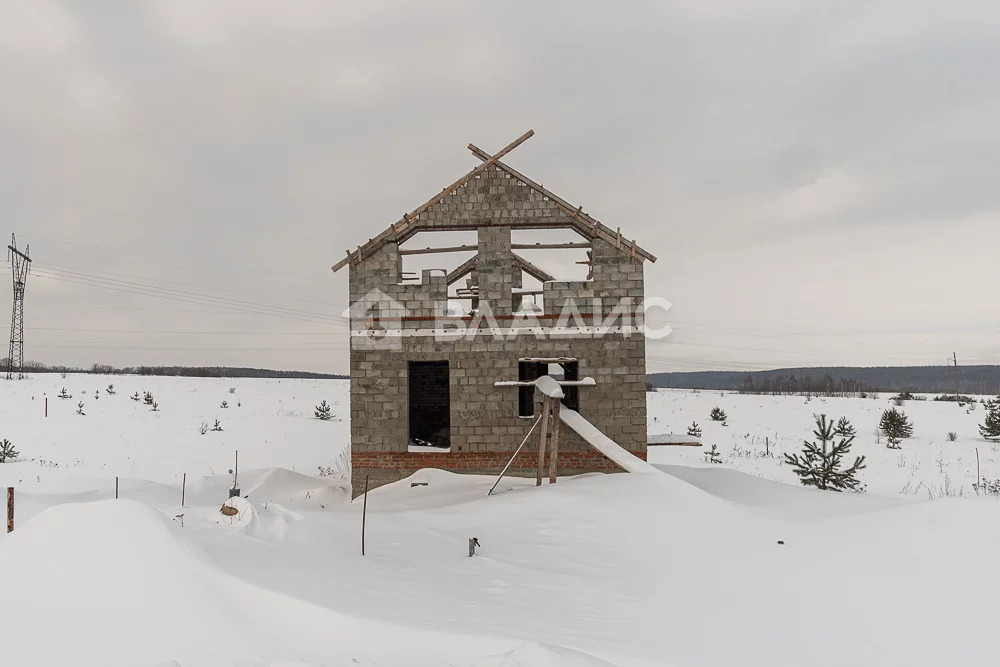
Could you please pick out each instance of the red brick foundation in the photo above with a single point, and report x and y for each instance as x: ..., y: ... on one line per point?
x: 470, y: 461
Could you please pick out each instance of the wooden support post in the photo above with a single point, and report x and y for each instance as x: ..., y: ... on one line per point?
x: 184, y: 484
x: 116, y: 488
x: 541, y: 442
x: 554, y: 454
x: 46, y: 406
x: 364, y: 516
x: 10, y: 509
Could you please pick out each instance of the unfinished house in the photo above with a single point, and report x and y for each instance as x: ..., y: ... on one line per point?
x: 445, y: 362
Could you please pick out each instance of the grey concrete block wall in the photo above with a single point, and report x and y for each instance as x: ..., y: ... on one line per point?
x: 484, y: 418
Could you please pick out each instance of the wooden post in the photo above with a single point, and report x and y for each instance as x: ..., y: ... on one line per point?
x: 184, y: 484
x: 554, y: 455
x: 364, y: 516
x: 46, y: 406
x: 541, y: 441
x: 10, y: 509
x: 116, y: 488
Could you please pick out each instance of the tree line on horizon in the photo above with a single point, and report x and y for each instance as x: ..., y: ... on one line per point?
x: 177, y: 371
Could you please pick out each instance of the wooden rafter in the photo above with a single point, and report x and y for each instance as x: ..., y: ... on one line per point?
x: 468, y: 266
x: 593, y: 226
x: 401, y: 228
x: 531, y: 269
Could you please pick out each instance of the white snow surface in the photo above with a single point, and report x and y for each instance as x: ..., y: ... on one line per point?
x: 680, y: 567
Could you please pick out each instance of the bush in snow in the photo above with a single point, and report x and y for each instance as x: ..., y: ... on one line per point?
x: 821, y: 465
x: 895, y: 426
x: 987, y: 487
x: 217, y: 427
x: 713, y: 456
x: 232, y: 390
x: 694, y: 430
x: 135, y: 396
x: 990, y: 429
x: 79, y: 409
x: 952, y: 436
x: 224, y: 405
x: 155, y: 407
x: 203, y: 429
x: 64, y: 394
x: 323, y: 411
x: 110, y: 389
x: 147, y: 398
x: 7, y: 451
x: 718, y: 415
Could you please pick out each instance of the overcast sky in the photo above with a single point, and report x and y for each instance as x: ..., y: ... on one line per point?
x: 816, y: 178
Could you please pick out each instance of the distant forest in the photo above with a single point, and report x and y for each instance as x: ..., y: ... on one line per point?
x: 179, y: 371
x: 846, y: 381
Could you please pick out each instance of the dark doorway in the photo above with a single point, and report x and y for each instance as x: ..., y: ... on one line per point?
x: 430, y: 404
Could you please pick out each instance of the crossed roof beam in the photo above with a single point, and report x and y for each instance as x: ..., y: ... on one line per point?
x: 579, y: 221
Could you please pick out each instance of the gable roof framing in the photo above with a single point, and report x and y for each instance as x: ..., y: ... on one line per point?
x: 579, y: 221
x: 469, y: 265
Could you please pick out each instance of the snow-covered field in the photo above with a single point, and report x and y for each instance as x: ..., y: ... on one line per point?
x: 681, y: 568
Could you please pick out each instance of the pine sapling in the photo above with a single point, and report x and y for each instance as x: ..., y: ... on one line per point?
x: 110, y: 389
x: 7, y: 451
x: 79, y: 409
x: 694, y: 430
x: 135, y: 397
x: 217, y: 427
x: 718, y: 415
x: 64, y: 394
x: 323, y: 411
x: 147, y: 398
x: 895, y: 426
x: 821, y: 465
x: 224, y: 405
x: 155, y: 407
x: 990, y: 429
x: 845, y: 428
x: 713, y: 455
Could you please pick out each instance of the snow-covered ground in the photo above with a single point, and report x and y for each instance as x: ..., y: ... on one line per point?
x: 680, y: 568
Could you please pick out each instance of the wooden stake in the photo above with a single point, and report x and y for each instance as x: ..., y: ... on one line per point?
x: 10, y: 509
x: 554, y: 455
x: 541, y: 441
x: 46, y: 406
x: 116, y: 488
x: 184, y: 484
x: 364, y: 516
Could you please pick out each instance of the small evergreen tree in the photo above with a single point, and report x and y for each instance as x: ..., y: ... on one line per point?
x: 110, y: 389
x: 224, y: 405
x: 323, y: 411
x: 694, y: 430
x: 990, y: 429
x: 820, y: 465
x: 147, y: 398
x: 895, y: 426
x: 79, y: 409
x: 844, y: 429
x: 65, y: 394
x: 217, y: 427
x: 135, y: 397
x: 718, y: 415
x: 713, y: 455
x: 7, y: 451
x: 155, y: 407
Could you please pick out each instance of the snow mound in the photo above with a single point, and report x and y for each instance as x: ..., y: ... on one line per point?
x: 531, y: 654
x: 279, y: 485
x: 98, y: 572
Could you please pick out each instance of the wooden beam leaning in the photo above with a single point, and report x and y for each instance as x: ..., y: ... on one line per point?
x: 587, y: 222
x: 408, y: 221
